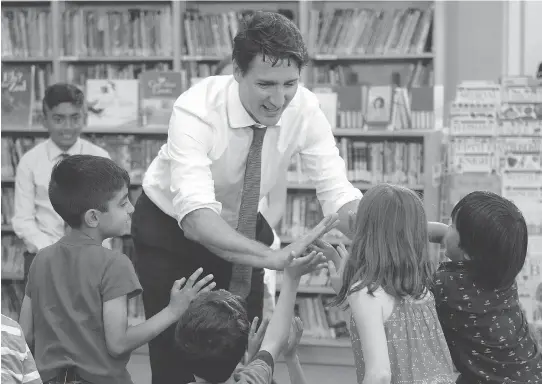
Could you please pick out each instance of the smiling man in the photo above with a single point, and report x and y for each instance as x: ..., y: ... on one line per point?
x: 35, y: 221
x: 230, y: 139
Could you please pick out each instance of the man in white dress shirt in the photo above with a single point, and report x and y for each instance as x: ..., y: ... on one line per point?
x: 35, y: 221
x: 187, y: 216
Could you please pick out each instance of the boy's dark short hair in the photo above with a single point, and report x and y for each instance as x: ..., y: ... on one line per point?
x: 62, y: 93
x: 493, y: 233
x: 212, y: 335
x: 82, y: 182
x: 272, y: 35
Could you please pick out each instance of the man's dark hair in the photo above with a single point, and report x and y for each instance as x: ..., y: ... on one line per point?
x: 493, y: 233
x: 271, y: 35
x: 82, y: 182
x: 212, y: 335
x: 62, y: 93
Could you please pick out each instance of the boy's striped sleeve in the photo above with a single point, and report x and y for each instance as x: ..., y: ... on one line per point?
x: 18, y: 365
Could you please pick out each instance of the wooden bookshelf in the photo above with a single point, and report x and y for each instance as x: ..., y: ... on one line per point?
x: 378, y: 66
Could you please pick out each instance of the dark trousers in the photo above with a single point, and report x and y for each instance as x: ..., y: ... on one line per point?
x: 162, y: 255
x: 28, y: 258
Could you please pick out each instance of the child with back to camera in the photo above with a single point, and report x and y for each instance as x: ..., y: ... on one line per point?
x: 213, y: 333
x: 396, y: 335
x: 75, y: 304
x: 477, y: 297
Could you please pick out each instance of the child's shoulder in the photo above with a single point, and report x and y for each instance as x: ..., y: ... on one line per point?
x: 258, y: 371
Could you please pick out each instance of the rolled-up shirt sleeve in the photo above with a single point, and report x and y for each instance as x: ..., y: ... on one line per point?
x: 322, y: 164
x: 190, y: 140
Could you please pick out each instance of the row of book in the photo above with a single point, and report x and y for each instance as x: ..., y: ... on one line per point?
x: 119, y: 31
x: 132, y: 152
x: 8, y: 201
x: 209, y: 34
x: 149, y: 100
x: 12, y: 298
x: 303, y: 212
x: 371, y: 107
x: 354, y: 31
x: 12, y: 256
x: 26, y: 32
x: 13, y: 150
x: 315, y: 279
x: 373, y: 162
x: 320, y: 319
x: 420, y: 74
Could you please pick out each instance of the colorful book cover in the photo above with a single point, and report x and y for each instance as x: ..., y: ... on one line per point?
x: 17, y: 95
x: 159, y: 90
x: 112, y: 103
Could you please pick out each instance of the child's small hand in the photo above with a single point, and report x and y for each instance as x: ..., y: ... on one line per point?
x: 327, y: 250
x: 297, y: 267
x: 296, y: 331
x: 335, y: 275
x: 255, y: 337
x: 181, y: 296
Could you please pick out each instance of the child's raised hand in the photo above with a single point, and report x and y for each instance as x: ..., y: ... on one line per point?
x: 334, y: 274
x: 255, y: 337
x: 297, y: 267
x: 327, y: 250
x: 182, y: 294
x: 296, y: 331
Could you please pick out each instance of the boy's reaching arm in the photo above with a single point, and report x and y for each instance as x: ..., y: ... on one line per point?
x: 121, y: 338
x: 279, y: 326
x: 297, y: 376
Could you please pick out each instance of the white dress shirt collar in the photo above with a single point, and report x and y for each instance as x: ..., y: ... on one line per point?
x: 238, y: 116
x: 54, y: 152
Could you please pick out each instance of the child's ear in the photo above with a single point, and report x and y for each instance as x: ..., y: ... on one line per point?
x: 92, y: 218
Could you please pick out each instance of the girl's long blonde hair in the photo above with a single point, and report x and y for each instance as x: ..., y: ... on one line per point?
x: 390, y: 245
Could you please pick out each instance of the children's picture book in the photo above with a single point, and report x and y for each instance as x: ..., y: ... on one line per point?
x: 112, y: 103
x: 17, y: 95
x: 379, y: 105
x: 159, y: 90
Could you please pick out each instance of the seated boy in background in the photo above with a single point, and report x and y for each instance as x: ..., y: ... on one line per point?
x: 75, y: 307
x: 35, y: 221
x: 213, y: 333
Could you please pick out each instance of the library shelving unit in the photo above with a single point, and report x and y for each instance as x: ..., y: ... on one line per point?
x: 81, y: 40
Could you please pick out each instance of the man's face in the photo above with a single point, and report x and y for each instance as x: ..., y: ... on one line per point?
x: 64, y: 123
x: 266, y: 90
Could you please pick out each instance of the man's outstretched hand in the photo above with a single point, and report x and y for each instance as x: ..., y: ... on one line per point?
x: 298, y: 247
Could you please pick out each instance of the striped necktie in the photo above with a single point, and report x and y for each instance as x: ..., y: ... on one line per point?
x: 242, y: 274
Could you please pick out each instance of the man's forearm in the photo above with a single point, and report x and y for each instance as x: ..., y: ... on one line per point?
x: 210, y: 230
x: 346, y: 219
x: 436, y: 231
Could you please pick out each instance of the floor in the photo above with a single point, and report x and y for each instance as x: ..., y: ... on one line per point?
x: 316, y: 374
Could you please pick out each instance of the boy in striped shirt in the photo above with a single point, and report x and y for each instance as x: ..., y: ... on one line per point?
x: 18, y: 364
